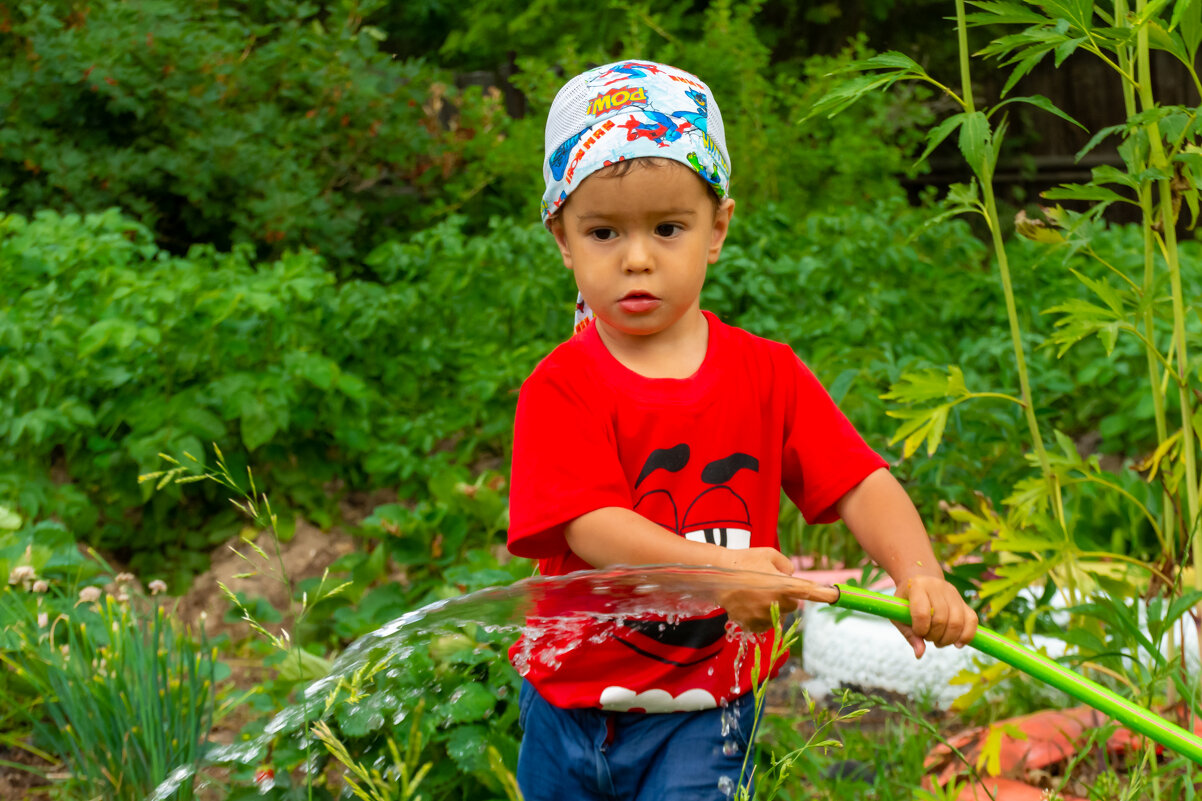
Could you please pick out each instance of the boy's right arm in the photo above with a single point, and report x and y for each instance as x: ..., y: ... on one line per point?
x: 619, y: 536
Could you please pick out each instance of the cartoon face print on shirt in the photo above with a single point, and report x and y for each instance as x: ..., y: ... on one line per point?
x: 717, y: 513
x: 713, y: 512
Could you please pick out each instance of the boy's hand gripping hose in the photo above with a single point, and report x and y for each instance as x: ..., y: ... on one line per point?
x: 989, y: 642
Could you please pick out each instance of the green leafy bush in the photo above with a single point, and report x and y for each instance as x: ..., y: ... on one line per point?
x: 114, y: 351
x: 280, y: 125
x: 291, y: 124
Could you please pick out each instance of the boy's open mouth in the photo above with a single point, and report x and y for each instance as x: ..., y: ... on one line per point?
x: 638, y: 301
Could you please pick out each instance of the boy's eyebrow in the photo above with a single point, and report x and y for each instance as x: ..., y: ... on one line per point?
x: 680, y: 212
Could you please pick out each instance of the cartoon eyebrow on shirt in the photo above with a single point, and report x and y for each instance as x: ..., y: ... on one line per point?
x: 671, y: 459
x: 720, y: 471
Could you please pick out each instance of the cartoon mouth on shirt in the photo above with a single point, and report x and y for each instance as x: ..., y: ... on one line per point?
x: 717, y: 514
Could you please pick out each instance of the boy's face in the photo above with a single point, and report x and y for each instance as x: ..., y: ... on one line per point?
x: 639, y: 245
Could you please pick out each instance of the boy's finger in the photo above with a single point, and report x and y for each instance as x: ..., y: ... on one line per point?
x: 917, y: 643
x: 921, y: 611
x: 970, y: 627
x: 953, y: 629
x: 937, y: 631
x: 782, y: 563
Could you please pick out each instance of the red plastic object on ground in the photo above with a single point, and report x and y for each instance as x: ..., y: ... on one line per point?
x: 1052, y: 736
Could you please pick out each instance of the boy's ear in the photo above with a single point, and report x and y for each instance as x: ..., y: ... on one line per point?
x: 555, y: 226
x: 722, y: 215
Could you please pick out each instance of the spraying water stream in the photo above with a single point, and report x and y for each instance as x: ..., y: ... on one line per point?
x: 553, y: 614
x: 557, y: 614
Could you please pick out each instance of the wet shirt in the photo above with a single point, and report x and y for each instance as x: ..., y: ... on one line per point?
x: 705, y: 457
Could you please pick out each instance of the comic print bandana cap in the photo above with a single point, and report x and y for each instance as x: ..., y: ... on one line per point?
x: 628, y: 110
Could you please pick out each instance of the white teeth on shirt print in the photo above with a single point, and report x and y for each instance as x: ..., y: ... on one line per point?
x: 621, y: 699
x: 734, y: 538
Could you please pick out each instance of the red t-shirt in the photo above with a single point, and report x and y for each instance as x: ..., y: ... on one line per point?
x: 705, y: 457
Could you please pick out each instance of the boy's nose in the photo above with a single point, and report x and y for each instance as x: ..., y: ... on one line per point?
x: 638, y: 257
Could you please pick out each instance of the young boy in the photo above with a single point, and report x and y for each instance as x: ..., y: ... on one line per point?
x: 658, y: 434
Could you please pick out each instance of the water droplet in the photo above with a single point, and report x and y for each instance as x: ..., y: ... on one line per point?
x: 726, y: 785
x: 729, y: 748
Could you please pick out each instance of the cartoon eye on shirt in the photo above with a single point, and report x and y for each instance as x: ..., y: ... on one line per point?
x: 716, y: 514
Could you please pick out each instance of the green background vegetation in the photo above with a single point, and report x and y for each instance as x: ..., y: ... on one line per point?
x: 307, y: 233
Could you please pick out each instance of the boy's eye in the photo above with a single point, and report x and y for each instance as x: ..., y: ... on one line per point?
x: 667, y: 229
x: 602, y: 234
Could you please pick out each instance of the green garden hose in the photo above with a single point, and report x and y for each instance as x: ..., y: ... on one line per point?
x: 1040, y: 667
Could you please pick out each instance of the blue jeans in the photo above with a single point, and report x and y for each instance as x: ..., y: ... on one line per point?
x: 594, y: 755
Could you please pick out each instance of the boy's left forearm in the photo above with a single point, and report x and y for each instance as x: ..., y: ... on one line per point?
x: 884, y: 521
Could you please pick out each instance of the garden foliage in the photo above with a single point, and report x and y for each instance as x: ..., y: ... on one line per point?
x: 117, y: 351
x: 281, y: 125
x: 282, y: 228
x: 1043, y: 532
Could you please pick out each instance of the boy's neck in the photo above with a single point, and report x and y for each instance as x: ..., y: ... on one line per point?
x: 676, y: 353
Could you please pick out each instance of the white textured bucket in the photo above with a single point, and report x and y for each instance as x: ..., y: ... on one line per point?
x: 844, y: 648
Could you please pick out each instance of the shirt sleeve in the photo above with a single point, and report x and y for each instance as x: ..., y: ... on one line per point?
x: 565, y: 463
x: 824, y: 456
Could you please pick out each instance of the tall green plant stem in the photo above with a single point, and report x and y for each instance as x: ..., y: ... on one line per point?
x: 999, y: 247
x: 1168, y: 222
x: 1147, y: 214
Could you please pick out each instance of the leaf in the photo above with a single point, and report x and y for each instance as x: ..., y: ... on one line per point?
x: 317, y: 370
x: 1113, y: 298
x: 921, y: 424
x: 1151, y: 464
x: 1090, y: 192
x: 470, y: 702
x: 1097, y: 138
x: 1180, y: 606
x: 936, y: 135
x: 1107, y: 174
x: 1179, y: 9
x: 9, y: 519
x: 1011, y: 580
x: 996, y: 13
x: 890, y: 59
x: 1077, y: 12
x: 352, y: 386
x: 850, y: 91
x: 920, y: 386
x: 1036, y: 230
x: 121, y: 333
x: 466, y: 746
x: 1040, y: 102
x: 300, y: 665
x: 965, y: 195
x: 1024, y: 66
x: 991, y: 750
x: 1149, y: 11
x: 257, y: 426
x: 975, y: 143
x: 1160, y: 39
x: 1066, y: 49
x: 1080, y: 319
x: 202, y: 422
x: 1188, y: 14
x: 838, y: 388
